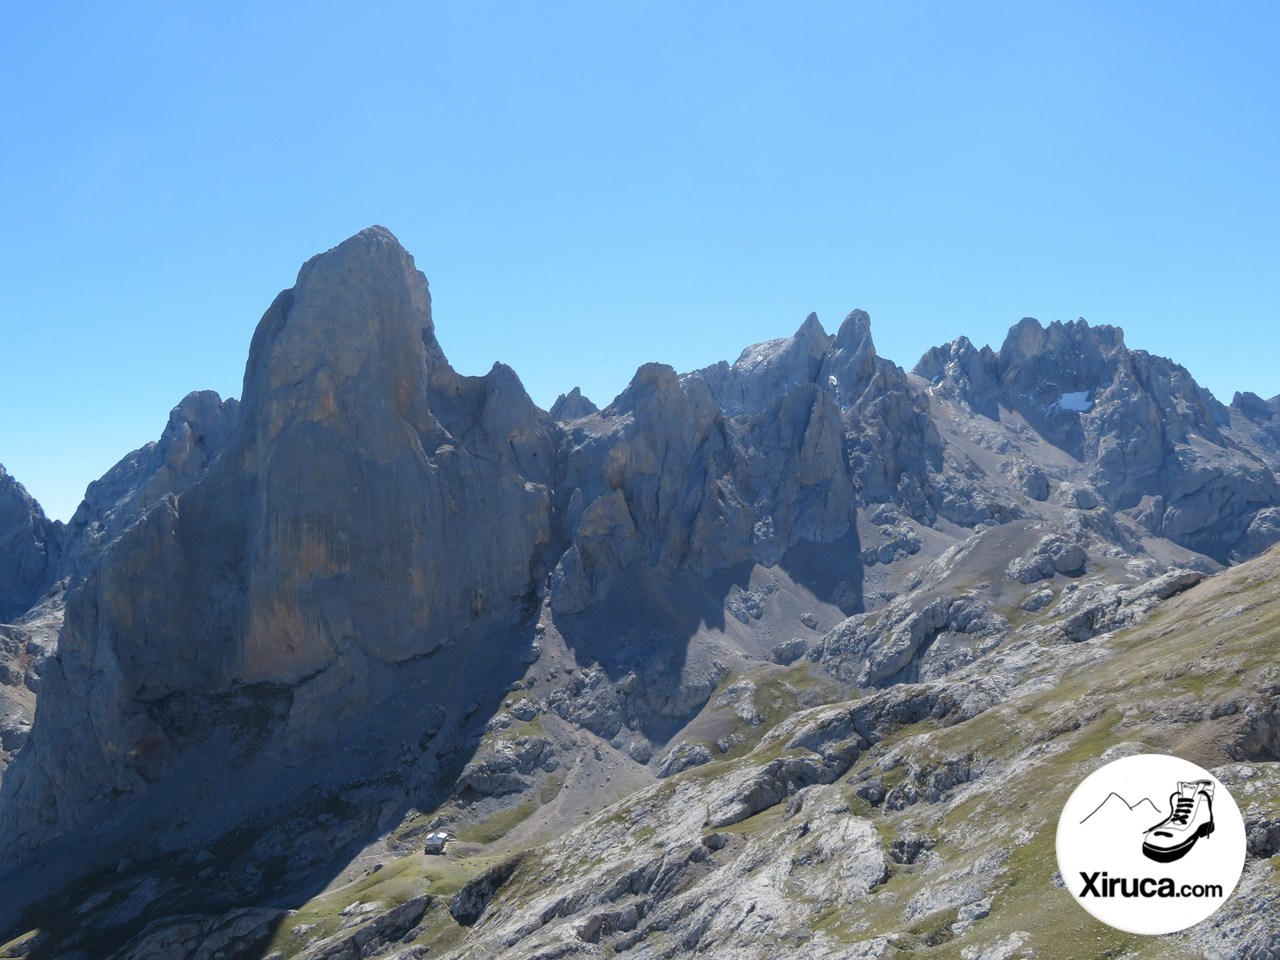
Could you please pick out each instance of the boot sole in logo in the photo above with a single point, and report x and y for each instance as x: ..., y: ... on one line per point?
x: 1170, y: 854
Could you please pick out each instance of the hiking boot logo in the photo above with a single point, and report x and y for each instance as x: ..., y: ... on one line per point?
x: 1190, y: 818
x: 1127, y: 858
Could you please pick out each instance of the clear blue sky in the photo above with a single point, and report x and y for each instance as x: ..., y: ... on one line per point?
x: 589, y: 186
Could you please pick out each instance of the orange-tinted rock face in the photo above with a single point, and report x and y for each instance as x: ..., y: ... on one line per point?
x: 344, y: 522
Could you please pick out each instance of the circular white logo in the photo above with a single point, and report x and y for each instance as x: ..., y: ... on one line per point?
x: 1151, y: 844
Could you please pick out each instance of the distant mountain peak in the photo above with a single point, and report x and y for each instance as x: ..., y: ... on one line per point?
x: 572, y: 406
x: 1114, y: 804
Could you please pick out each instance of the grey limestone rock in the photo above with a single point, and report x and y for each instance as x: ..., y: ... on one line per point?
x: 1051, y: 555
x: 332, y: 534
x: 1254, y: 407
x: 1076, y: 496
x: 791, y: 651
x: 911, y: 639
x: 469, y: 903
x: 1256, y: 426
x: 1146, y: 429
x: 572, y: 406
x: 822, y: 408
x: 1116, y: 607
x: 504, y: 767
x: 1263, y: 531
x: 791, y: 467
x: 31, y: 549
x: 198, y: 430
x: 683, y: 756
x: 746, y: 793
x: 767, y: 370
x: 1032, y: 481
x: 26, y: 650
x: 373, y: 937
x: 893, y: 446
x: 1037, y: 601
x: 647, y: 478
x: 197, y: 937
x: 961, y: 371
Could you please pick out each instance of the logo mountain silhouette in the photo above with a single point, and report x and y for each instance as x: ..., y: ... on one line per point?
x: 1143, y: 806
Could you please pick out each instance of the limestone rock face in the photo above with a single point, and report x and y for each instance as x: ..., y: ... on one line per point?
x: 739, y: 462
x: 766, y: 370
x: 25, y: 652
x: 1155, y: 441
x: 366, y: 464
x: 1256, y: 425
x: 965, y: 373
x: 198, y: 430
x: 362, y: 455
x: 31, y: 549
x: 792, y: 467
x: 892, y: 446
x: 647, y: 477
x: 1051, y: 555
x: 844, y: 420
x: 572, y: 406
x: 334, y: 530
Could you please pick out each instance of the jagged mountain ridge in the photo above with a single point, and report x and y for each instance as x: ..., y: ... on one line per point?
x: 306, y: 555
x: 1157, y: 443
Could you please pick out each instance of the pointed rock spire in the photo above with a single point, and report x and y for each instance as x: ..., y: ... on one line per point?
x: 572, y: 406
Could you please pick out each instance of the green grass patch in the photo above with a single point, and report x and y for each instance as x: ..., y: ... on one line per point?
x: 394, y: 884
x: 498, y: 825
x: 551, y: 788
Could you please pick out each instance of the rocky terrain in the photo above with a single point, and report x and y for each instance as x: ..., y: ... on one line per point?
x: 794, y: 656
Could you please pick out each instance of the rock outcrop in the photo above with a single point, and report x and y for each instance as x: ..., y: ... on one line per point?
x: 25, y: 650
x: 645, y: 479
x: 31, y: 549
x: 329, y: 529
x: 572, y: 406
x: 198, y: 430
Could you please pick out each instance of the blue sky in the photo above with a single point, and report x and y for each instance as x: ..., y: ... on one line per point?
x: 589, y: 186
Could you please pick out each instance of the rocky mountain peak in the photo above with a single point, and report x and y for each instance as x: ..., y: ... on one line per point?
x: 851, y: 363
x: 1149, y: 433
x: 812, y: 335
x: 31, y: 548
x: 199, y: 429
x: 359, y: 314
x: 1254, y: 407
x: 854, y: 332
x: 961, y: 371
x: 650, y: 381
x: 330, y: 535
x: 572, y: 406
x: 765, y: 368
x: 1075, y: 349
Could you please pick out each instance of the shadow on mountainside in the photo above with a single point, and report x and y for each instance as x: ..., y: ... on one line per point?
x: 661, y: 640
x: 247, y: 822
x: 643, y: 635
x: 832, y: 572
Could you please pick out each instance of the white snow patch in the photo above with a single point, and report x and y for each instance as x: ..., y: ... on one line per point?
x: 1079, y: 402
